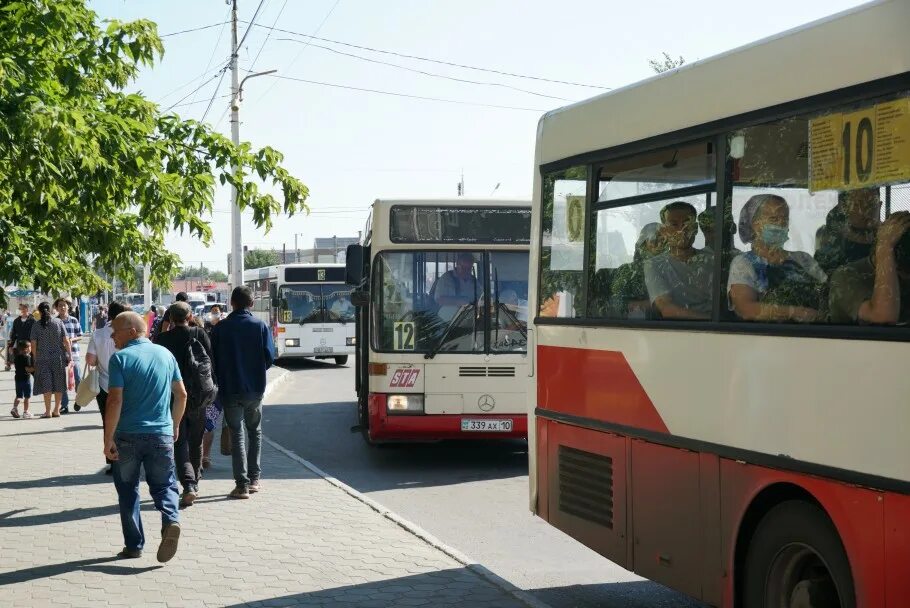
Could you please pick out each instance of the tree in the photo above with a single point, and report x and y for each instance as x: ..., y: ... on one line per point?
x: 666, y: 63
x: 258, y: 258
x: 92, y: 176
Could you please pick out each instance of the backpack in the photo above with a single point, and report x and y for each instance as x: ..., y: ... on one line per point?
x: 201, y: 388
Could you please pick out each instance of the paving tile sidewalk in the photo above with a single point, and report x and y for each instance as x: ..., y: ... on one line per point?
x: 300, y: 542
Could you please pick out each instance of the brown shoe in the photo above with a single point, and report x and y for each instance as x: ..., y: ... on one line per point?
x: 240, y: 492
x: 170, y: 535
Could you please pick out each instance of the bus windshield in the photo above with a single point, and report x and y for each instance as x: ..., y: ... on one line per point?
x: 315, y: 303
x: 436, y: 301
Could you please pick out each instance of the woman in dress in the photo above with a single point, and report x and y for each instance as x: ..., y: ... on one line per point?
x: 51, y: 352
x: 770, y: 283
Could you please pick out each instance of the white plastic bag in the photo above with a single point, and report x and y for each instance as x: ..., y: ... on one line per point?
x: 89, y: 387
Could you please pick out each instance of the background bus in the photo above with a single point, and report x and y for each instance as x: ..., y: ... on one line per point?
x: 308, y: 307
x: 442, y: 316
x: 754, y: 453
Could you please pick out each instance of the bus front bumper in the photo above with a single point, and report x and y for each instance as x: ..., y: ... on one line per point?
x: 436, y: 427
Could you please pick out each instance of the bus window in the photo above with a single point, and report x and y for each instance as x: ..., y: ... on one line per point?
x: 649, y: 255
x: 562, y: 243
x: 656, y: 171
x: 337, y: 302
x: 300, y: 304
x: 509, y: 296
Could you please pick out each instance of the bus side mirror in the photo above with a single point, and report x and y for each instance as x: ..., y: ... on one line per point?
x: 353, y: 271
x: 273, y: 294
x: 360, y: 297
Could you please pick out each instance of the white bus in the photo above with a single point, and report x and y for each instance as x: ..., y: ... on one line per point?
x: 442, y: 316
x: 308, y: 307
x: 721, y: 396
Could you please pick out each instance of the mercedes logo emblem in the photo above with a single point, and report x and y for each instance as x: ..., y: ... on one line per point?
x: 486, y: 403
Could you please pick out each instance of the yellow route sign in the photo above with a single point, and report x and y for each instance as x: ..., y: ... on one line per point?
x: 868, y: 147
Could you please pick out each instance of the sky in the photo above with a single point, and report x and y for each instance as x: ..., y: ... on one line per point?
x: 352, y: 147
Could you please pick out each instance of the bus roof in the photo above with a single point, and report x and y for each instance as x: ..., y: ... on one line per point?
x: 267, y: 272
x: 460, y: 201
x: 860, y: 45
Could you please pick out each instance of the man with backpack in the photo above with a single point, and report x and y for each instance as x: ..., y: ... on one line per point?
x: 193, y: 352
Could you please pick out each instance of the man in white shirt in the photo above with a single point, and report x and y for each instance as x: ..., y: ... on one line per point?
x: 100, y: 349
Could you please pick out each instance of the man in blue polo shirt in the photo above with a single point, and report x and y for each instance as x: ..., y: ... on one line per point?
x: 243, y: 352
x: 140, y: 430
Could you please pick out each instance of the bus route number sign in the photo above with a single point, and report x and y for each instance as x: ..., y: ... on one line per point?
x: 286, y: 316
x: 868, y: 147
x: 404, y: 335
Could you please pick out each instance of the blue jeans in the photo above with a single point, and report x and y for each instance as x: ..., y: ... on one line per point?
x: 244, y: 411
x: 156, y: 454
x: 66, y: 394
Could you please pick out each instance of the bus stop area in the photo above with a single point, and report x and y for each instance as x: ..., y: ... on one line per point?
x: 301, y: 541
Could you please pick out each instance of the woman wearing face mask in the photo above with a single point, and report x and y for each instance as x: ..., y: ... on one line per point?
x: 770, y: 283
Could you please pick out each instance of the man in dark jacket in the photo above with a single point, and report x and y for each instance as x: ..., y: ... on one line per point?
x: 22, y: 330
x: 188, y: 449
x: 243, y: 352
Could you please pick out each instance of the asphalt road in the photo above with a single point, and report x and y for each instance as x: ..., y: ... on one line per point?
x: 472, y: 496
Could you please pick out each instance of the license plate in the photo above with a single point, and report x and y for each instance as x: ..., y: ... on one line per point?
x: 323, y: 349
x: 472, y: 425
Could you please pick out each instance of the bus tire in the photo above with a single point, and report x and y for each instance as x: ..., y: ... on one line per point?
x: 341, y: 360
x: 796, y: 558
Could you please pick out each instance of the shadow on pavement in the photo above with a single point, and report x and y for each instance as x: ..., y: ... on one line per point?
x: 120, y: 570
x: 321, y: 433
x: 454, y: 587
x: 637, y: 594
x: 57, y: 482
x: 39, y: 572
x: 66, y: 429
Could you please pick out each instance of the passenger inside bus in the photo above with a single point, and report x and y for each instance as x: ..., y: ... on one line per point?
x: 876, y: 288
x: 850, y: 229
x: 770, y: 283
x: 456, y: 287
x: 679, y: 280
x: 628, y: 295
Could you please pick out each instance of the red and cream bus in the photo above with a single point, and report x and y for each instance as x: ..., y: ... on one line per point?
x: 721, y: 399
x: 442, y: 297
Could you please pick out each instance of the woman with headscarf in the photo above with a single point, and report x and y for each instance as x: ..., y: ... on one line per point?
x: 628, y: 293
x: 770, y: 283
x: 51, y: 352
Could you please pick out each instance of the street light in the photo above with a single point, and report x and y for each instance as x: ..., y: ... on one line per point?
x: 236, y: 233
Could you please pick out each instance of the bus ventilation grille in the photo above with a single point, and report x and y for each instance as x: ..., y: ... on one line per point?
x: 466, y: 371
x: 586, y: 486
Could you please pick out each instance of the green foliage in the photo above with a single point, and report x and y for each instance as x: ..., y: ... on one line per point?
x: 665, y: 63
x: 93, y: 177
x: 259, y: 258
x: 191, y: 272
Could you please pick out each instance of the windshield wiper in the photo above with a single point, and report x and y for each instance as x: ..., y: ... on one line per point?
x: 456, y: 318
x: 522, y: 327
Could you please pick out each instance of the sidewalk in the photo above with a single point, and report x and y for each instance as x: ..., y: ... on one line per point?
x: 299, y: 542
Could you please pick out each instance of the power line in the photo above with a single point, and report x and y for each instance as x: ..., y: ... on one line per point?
x: 195, y: 29
x: 439, y: 61
x: 266, y: 41
x: 188, y: 83
x: 217, y: 42
x: 252, y: 24
x: 193, y: 92
x: 420, y: 97
x: 193, y: 103
x: 425, y: 73
x: 214, y: 93
x: 297, y: 56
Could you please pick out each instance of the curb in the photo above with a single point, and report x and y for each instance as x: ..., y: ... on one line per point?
x: 471, y: 564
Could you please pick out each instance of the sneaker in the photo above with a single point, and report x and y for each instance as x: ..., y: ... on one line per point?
x: 170, y: 534
x: 130, y: 553
x: 189, y: 496
x: 254, y: 486
x: 27, y: 415
x: 240, y: 492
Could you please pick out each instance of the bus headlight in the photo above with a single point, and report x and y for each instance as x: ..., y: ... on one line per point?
x: 401, y: 404
x: 352, y: 341
x: 292, y: 341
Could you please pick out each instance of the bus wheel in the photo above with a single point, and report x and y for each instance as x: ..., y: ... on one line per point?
x: 341, y: 360
x: 796, y: 560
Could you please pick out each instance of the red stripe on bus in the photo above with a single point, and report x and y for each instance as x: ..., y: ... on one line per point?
x: 598, y: 384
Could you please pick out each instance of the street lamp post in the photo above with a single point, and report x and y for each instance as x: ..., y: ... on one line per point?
x: 236, y: 98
